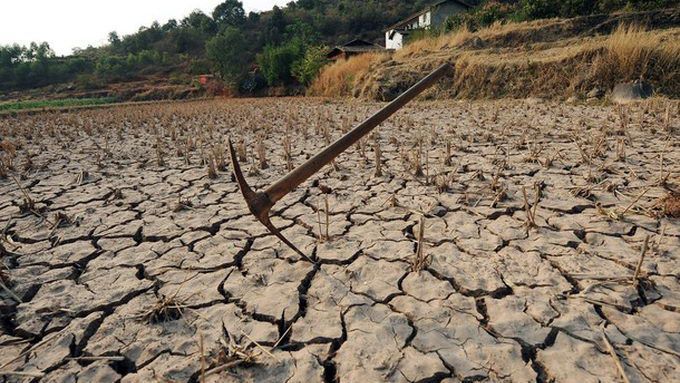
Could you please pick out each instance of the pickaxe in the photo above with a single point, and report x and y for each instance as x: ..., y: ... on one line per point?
x: 260, y: 203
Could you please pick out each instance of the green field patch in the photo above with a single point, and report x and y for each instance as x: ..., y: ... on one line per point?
x: 49, y: 104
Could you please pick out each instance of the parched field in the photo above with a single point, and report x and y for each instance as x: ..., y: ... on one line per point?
x: 550, y: 246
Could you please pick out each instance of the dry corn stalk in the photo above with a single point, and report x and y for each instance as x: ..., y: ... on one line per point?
x: 638, y: 268
x: 287, y: 152
x: 529, y: 211
x: 324, y: 237
x: 212, y: 171
x: 242, y: 151
x: 421, y: 260
x: 447, y: 159
x: 219, y: 158
x: 378, y: 158
x: 261, y: 153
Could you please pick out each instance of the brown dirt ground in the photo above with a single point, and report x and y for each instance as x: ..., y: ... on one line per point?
x: 124, y: 261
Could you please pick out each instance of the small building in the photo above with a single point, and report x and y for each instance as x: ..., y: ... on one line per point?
x: 353, y: 48
x: 433, y: 16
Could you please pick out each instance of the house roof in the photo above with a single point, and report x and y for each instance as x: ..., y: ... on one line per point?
x: 355, y: 46
x: 360, y: 43
x: 417, y: 14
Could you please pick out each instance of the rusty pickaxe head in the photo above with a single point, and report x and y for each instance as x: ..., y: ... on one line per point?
x: 261, y: 203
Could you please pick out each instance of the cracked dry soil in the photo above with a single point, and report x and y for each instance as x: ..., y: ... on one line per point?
x: 126, y: 259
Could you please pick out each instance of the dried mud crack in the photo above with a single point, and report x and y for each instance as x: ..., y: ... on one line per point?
x: 549, y: 240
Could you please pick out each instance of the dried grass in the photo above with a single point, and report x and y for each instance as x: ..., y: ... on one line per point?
x: 633, y: 50
x: 182, y: 204
x: 166, y: 309
x: 562, y: 68
x: 324, y: 237
x: 219, y: 156
x: 288, y: 152
x: 27, y: 205
x: 378, y: 157
x: 434, y: 44
x: 669, y: 205
x: 233, y: 354
x: 338, y: 78
x: 212, y: 167
x: 615, y: 356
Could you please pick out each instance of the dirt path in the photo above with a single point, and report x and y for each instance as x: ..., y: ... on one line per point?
x: 132, y: 264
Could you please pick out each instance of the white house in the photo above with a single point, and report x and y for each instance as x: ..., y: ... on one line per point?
x: 433, y: 16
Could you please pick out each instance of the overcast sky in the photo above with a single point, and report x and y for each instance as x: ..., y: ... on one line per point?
x: 67, y: 24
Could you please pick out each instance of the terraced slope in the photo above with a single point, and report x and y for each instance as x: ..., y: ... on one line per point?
x: 554, y: 59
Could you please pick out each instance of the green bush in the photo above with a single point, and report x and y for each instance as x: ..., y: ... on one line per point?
x: 113, y: 68
x: 298, y: 59
x: 276, y: 62
x: 88, y: 82
x: 308, y: 67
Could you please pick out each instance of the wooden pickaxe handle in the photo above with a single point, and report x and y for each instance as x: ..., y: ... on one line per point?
x: 260, y: 203
x: 300, y: 174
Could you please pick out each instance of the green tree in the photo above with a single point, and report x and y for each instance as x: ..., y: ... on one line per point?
x: 114, y: 39
x: 199, y: 21
x: 229, y: 13
x: 274, y: 27
x: 226, y: 53
x: 171, y: 25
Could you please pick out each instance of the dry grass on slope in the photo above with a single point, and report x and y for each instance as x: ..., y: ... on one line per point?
x: 491, y: 63
x: 636, y: 53
x: 629, y: 53
x: 434, y: 44
x: 338, y: 79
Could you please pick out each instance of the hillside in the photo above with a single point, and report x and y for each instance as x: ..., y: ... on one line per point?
x: 164, y: 58
x: 554, y: 58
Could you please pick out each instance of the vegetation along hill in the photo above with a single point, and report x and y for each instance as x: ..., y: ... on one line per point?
x: 284, y: 50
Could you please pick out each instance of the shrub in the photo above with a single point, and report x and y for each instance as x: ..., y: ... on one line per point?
x: 89, y: 82
x: 112, y: 68
x: 276, y: 62
x: 308, y: 67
